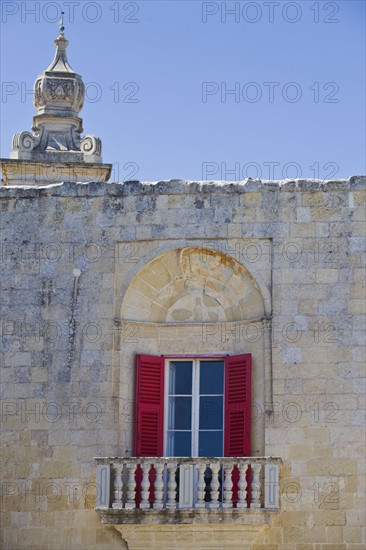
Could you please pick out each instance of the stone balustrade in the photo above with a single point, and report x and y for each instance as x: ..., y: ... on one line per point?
x: 146, y: 484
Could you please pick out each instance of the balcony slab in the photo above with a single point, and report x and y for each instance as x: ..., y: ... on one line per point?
x: 195, y: 537
x: 247, y: 517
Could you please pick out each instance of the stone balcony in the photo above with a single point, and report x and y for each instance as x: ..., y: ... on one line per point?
x: 187, y: 490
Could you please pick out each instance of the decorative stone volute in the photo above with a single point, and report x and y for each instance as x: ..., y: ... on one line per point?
x: 58, y: 98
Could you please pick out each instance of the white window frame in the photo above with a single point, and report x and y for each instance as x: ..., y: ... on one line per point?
x: 195, y: 398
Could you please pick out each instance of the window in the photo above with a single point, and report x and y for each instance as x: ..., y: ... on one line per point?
x: 194, y: 406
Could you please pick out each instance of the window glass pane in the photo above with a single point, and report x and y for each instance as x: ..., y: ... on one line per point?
x: 180, y: 413
x: 212, y: 377
x: 180, y: 377
x: 211, y: 413
x: 179, y: 444
x: 210, y: 443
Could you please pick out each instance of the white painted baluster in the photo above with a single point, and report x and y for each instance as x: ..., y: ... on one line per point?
x: 145, y: 486
x: 201, y: 468
x: 158, y: 486
x: 228, y: 487
x: 185, y: 500
x: 256, y: 486
x: 271, y: 473
x: 172, y: 486
x: 117, y: 485
x: 103, y: 486
x: 215, y: 486
x: 242, y: 493
x: 131, y: 486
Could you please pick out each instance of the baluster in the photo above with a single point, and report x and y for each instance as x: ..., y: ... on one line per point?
x: 201, y: 484
x: 271, y: 485
x: 117, y: 486
x: 158, y: 486
x: 172, y: 486
x: 215, y: 485
x: 131, y: 486
x: 145, y: 486
x: 256, y: 486
x: 242, y: 493
x: 228, y: 487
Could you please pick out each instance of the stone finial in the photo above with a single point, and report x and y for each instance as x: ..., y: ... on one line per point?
x: 58, y: 98
x: 59, y: 90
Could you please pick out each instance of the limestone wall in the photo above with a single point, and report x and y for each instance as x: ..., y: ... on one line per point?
x: 90, y: 277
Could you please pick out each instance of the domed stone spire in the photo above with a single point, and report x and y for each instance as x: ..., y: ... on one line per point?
x: 58, y: 98
x: 58, y: 89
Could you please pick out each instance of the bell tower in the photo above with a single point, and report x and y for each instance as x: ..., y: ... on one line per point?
x: 55, y: 152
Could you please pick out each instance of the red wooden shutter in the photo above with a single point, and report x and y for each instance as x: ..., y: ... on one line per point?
x: 149, y: 406
x: 237, y: 405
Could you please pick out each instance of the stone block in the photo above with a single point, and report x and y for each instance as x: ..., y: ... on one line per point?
x: 328, y: 276
x: 309, y: 198
x: 292, y: 355
x: 358, y: 418
x: 359, y: 197
x: 352, y: 534
x: 303, y: 214
x: 315, y: 534
x: 250, y: 199
x: 303, y: 230
x: 293, y: 534
x: 330, y: 518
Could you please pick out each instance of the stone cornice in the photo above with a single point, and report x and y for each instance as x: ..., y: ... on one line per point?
x: 177, y: 187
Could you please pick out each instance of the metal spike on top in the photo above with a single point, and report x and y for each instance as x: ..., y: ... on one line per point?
x: 61, y: 22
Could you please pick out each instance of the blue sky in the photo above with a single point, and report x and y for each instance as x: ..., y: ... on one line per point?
x: 159, y: 76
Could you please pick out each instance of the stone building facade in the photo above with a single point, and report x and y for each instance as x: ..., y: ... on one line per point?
x: 97, y: 274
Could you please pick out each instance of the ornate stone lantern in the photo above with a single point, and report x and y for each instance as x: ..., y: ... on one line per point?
x: 55, y: 151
